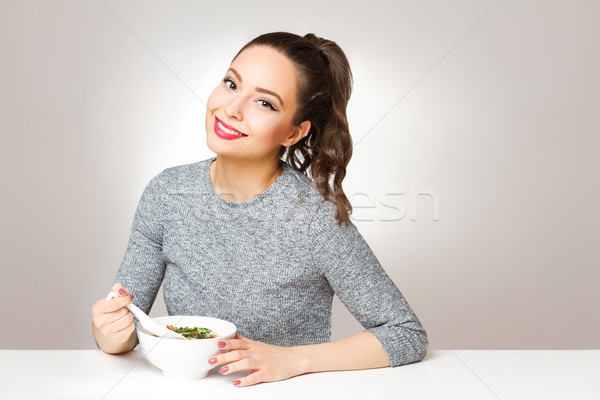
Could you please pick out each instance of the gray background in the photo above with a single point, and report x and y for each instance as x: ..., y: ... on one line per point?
x: 474, y: 176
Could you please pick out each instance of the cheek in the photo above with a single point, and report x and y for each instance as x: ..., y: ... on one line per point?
x: 272, y: 132
x: 212, y: 104
x: 210, y: 109
x: 219, y: 98
x: 266, y: 125
x: 212, y: 100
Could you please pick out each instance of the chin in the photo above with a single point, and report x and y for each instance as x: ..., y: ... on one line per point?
x: 220, y: 147
x: 212, y: 147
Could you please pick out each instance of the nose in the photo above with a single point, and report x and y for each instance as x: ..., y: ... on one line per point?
x: 234, y: 108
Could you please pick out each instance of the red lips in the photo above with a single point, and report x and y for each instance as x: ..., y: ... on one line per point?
x: 229, y: 126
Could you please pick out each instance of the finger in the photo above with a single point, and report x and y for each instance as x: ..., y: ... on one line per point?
x: 124, y: 334
x: 115, y: 316
x: 111, y: 328
x: 249, y: 380
x: 119, y: 290
x: 103, y: 315
x: 238, y: 336
x: 105, y: 322
x: 241, y: 365
x: 234, y: 344
x: 228, y: 357
x: 118, y: 302
x: 116, y: 287
x: 115, y: 304
x: 123, y: 322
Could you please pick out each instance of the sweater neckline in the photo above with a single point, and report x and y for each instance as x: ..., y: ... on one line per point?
x: 266, y: 193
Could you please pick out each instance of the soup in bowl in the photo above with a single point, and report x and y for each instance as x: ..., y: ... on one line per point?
x: 185, y: 359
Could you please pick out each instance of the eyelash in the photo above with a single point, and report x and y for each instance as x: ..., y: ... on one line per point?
x: 225, y: 80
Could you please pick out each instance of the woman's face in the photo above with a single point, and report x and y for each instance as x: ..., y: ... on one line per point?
x: 257, y: 97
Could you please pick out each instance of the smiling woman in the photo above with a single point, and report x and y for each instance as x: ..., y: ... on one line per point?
x: 260, y: 235
x: 249, y: 119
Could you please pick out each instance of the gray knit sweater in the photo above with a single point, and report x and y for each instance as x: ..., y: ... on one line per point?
x: 270, y: 265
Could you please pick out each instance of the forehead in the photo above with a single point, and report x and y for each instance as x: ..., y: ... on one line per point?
x: 264, y: 67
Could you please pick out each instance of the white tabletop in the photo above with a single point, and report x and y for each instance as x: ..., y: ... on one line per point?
x: 443, y: 374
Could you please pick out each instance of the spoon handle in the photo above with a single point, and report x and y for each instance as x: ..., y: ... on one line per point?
x: 148, y: 322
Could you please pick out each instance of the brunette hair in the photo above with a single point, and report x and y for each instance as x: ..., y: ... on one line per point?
x: 324, y: 88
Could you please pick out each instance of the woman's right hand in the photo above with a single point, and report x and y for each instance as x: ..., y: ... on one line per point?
x: 112, y: 318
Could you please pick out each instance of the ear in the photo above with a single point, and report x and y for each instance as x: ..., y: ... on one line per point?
x: 296, y: 134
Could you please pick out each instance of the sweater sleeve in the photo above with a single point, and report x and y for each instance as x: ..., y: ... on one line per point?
x: 356, y: 276
x: 143, y: 267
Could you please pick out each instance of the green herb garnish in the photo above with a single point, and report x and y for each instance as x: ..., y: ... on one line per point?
x: 193, y: 333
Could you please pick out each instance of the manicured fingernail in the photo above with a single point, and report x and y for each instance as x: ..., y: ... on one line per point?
x: 222, y: 344
x: 224, y: 369
x: 122, y: 292
x: 236, y: 382
x: 212, y: 361
x: 131, y: 296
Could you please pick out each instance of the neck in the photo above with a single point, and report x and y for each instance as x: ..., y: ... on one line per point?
x: 239, y: 181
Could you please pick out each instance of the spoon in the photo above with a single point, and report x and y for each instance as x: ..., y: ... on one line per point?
x: 148, y: 323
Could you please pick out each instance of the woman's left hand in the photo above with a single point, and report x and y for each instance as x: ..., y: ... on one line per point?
x: 268, y: 363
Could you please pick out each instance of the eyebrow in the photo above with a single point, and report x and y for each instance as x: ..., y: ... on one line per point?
x: 258, y: 89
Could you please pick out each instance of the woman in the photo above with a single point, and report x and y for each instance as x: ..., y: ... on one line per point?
x: 249, y: 238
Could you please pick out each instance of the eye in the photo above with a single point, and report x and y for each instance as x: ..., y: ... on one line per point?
x: 226, y: 80
x: 232, y: 85
x: 269, y: 104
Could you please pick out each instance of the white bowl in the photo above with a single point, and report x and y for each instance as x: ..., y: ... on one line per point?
x: 184, y: 359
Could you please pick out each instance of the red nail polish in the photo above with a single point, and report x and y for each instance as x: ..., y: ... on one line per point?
x: 222, y: 344
x: 122, y: 292
x: 236, y: 382
x: 131, y: 296
x: 224, y: 369
x: 212, y: 361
